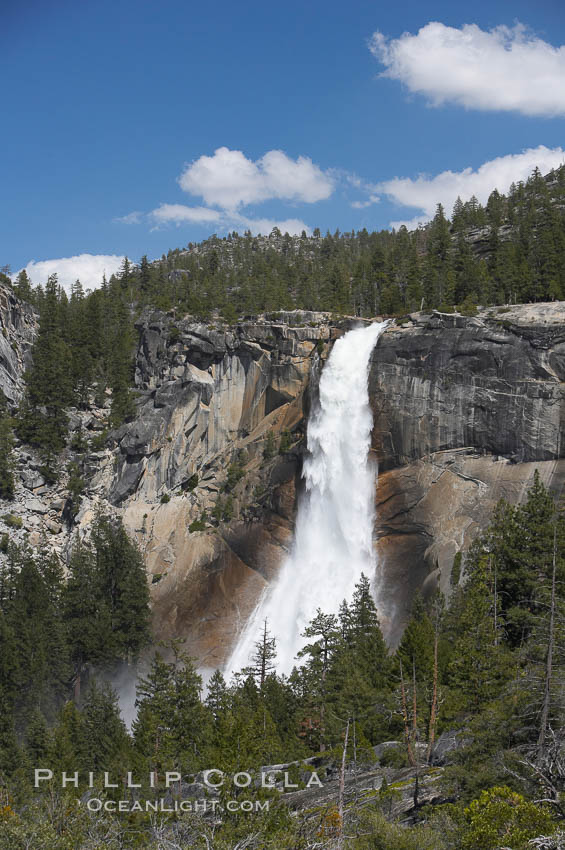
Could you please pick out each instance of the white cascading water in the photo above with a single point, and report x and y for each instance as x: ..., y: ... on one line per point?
x: 333, y: 538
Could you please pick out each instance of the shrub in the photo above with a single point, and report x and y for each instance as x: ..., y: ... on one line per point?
x: 270, y: 447
x: 48, y: 473
x: 99, y: 441
x: 198, y: 524
x: 235, y: 474
x: 456, y: 569
x: 76, y: 486
x: 223, y: 509
x: 394, y: 757
x: 13, y: 521
x: 500, y: 815
x: 189, y: 485
x: 165, y: 498
x: 469, y: 306
x: 286, y: 442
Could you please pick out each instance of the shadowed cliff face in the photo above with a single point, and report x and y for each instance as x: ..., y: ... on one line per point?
x: 465, y: 410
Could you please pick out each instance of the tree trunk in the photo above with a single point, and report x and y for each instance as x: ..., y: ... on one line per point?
x: 407, y: 735
x: 544, y: 719
x: 342, y: 788
x: 433, y: 709
x: 415, y: 733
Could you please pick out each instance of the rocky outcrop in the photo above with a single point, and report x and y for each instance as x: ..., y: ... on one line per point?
x: 18, y: 327
x: 465, y: 409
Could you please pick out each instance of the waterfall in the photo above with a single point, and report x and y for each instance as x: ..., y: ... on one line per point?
x: 333, y: 541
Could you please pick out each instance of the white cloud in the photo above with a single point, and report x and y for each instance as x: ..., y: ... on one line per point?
x: 504, y: 68
x: 425, y: 192
x: 131, y: 218
x: 88, y: 268
x: 361, y: 205
x: 368, y: 189
x: 178, y: 213
x: 411, y: 223
x: 226, y: 219
x: 230, y: 180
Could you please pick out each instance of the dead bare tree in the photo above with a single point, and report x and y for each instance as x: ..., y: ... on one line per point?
x: 415, y: 733
x: 341, y: 806
x: 544, y: 717
x: 404, y: 704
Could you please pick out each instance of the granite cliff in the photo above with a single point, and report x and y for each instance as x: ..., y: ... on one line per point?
x: 18, y: 326
x: 466, y: 409
x: 206, y: 476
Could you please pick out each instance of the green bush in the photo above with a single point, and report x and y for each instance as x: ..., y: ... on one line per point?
x: 76, y: 487
x: 165, y: 498
x: 502, y: 816
x: 223, y: 509
x: 394, y: 757
x: 235, y: 474
x: 456, y: 569
x: 49, y: 473
x: 286, y: 442
x: 13, y: 521
x: 198, y: 524
x: 189, y: 485
x: 270, y: 447
x: 98, y: 442
x: 469, y: 306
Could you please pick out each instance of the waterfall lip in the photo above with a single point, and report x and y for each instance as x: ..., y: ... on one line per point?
x: 333, y: 538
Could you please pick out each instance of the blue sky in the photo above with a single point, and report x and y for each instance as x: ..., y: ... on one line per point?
x: 113, y: 112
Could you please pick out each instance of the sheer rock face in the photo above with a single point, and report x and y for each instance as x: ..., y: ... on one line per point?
x: 465, y: 410
x: 18, y: 327
x: 208, y: 398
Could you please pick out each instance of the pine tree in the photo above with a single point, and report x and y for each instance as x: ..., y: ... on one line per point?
x: 104, y: 739
x: 48, y: 388
x: 263, y: 661
x: 120, y: 364
x: 7, y: 487
x: 86, y: 615
x: 37, y: 739
x: 171, y: 725
x: 23, y: 288
x: 123, y: 584
x: 319, y: 654
x: 39, y: 637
